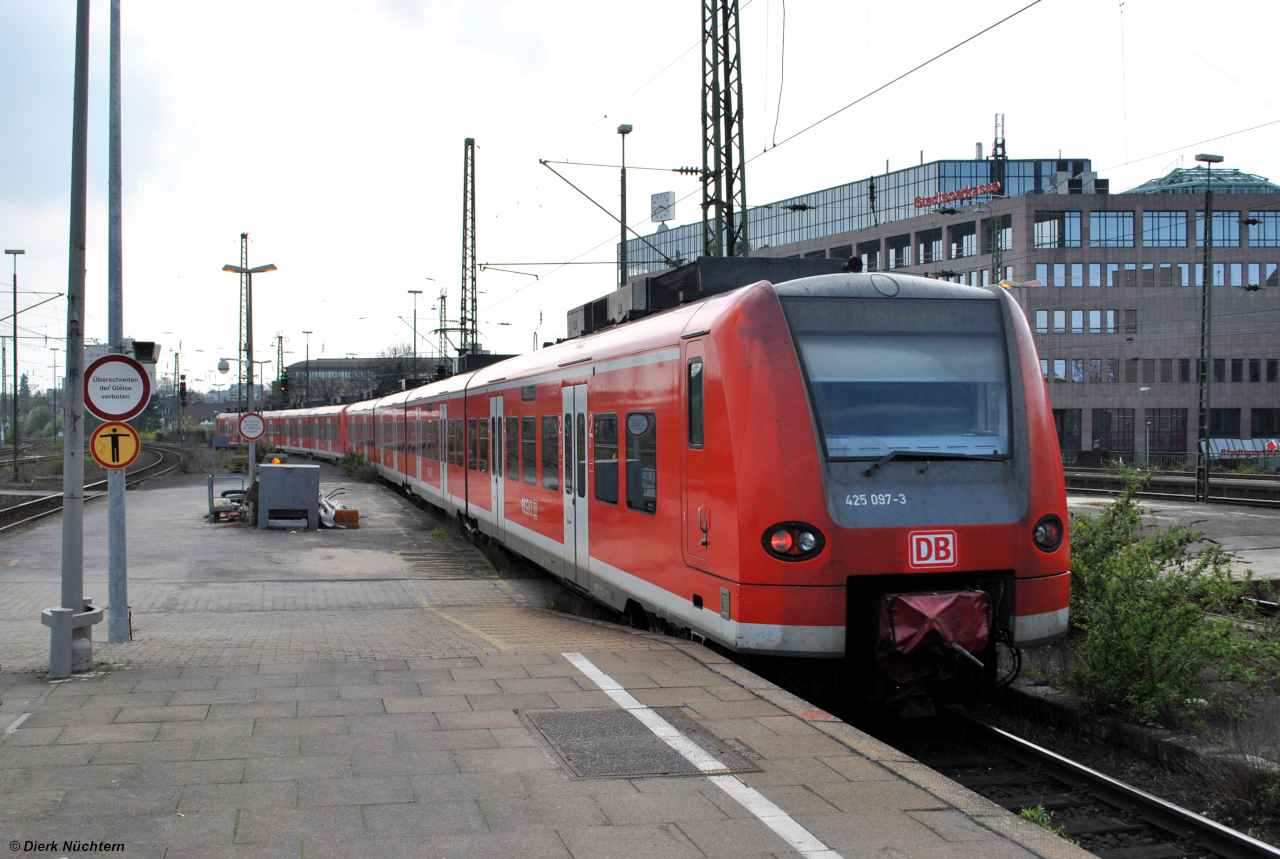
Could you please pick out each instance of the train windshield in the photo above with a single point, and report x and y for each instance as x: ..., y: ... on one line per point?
x: 909, y: 375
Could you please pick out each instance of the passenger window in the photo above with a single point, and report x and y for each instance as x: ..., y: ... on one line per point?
x: 460, y: 443
x: 529, y: 450
x: 580, y: 444
x: 484, y: 446
x: 471, y: 444
x: 550, y: 452
x: 452, y: 431
x: 568, y: 454
x: 606, y: 457
x: 642, y: 461
x: 695, y: 403
x: 497, y: 445
x: 513, y: 448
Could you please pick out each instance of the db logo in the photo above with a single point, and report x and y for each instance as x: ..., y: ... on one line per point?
x: 932, y: 548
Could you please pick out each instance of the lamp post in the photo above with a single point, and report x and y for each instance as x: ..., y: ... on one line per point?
x: 623, y: 131
x: 15, y: 433
x: 306, y: 386
x: 415, y: 293
x: 248, y: 350
x: 1206, y: 334
x: 54, y: 350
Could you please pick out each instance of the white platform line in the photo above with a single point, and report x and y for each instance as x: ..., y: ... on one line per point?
x: 800, y: 839
x: 17, y: 723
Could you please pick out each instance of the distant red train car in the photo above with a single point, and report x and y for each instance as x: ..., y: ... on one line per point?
x: 848, y: 466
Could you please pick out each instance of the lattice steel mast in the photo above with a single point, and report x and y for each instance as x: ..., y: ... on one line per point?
x: 724, y: 186
x: 244, y: 319
x: 468, y: 320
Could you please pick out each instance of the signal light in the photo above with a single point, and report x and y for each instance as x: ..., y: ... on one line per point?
x: 1048, y: 533
x: 793, y: 541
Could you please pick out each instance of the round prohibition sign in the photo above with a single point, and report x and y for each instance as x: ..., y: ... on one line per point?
x: 115, y: 445
x: 252, y: 426
x: 116, y: 388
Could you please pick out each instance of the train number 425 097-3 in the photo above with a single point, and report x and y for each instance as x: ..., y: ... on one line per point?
x: 883, y: 499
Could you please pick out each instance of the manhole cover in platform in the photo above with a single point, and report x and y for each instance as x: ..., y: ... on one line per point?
x: 614, y: 744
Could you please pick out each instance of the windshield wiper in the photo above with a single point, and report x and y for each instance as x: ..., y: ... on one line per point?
x: 923, y: 454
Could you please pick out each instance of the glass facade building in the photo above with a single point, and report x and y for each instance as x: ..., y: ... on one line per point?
x: 857, y: 205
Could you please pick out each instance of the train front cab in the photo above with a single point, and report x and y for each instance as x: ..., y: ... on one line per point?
x: 973, y: 499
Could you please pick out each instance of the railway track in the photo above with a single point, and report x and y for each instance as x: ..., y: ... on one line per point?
x: 165, y: 461
x: 1253, y: 490
x: 1107, y: 817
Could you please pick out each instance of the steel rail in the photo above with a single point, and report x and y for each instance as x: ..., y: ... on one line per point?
x: 1222, y: 840
x: 133, y: 480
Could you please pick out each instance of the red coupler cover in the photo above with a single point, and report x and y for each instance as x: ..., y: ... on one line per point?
x: 916, y: 632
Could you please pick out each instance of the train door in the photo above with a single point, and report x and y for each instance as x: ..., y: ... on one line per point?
x: 576, y: 545
x: 498, y: 493
x: 696, y: 509
x: 444, y: 452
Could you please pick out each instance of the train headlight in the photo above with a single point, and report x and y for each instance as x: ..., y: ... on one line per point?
x: 793, y: 541
x: 1047, y: 534
x: 781, y: 541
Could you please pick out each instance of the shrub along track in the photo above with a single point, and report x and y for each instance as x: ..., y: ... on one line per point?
x: 163, y: 461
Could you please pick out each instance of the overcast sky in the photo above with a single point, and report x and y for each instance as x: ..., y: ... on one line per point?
x: 332, y: 132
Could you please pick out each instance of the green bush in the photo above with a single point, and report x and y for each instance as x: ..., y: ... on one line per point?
x: 357, y: 465
x: 1148, y: 612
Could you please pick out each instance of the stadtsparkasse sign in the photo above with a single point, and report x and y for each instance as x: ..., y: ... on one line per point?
x: 116, y: 388
x: 964, y: 193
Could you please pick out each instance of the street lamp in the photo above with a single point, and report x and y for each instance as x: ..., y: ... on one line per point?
x: 248, y: 349
x: 54, y: 350
x: 14, y: 434
x: 623, y: 131
x: 306, y: 386
x: 1206, y: 333
x: 415, y: 293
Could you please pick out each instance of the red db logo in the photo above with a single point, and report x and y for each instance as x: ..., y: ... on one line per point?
x: 932, y: 549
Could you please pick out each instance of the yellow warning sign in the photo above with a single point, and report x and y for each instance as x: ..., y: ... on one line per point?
x: 115, y: 445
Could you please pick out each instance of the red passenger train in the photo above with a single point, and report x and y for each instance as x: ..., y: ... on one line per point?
x: 843, y: 466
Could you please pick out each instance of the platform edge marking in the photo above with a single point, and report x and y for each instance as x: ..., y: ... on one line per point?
x: 800, y: 839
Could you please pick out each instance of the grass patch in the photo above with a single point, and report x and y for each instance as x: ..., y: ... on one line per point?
x: 1044, y: 819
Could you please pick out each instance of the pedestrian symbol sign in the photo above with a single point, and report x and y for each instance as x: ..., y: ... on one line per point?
x: 115, y: 445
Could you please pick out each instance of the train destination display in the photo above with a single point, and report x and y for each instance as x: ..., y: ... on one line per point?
x: 116, y: 388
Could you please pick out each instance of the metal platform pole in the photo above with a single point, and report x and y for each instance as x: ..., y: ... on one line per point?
x: 117, y: 559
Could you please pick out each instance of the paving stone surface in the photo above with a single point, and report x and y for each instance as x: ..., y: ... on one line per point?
x: 367, y: 693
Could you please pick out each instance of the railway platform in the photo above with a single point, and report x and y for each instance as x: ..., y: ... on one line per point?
x: 385, y: 692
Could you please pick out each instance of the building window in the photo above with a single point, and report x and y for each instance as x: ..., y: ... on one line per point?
x: 1264, y: 423
x: 964, y: 240
x: 1059, y: 322
x: 1095, y: 274
x: 1273, y: 370
x: 899, y: 248
x: 1219, y: 369
x: 815, y: 255
x: 1237, y: 369
x: 1265, y: 233
x: 870, y: 254
x: 999, y: 228
x: 1255, y: 274
x: 550, y: 451
x: 1059, y: 274
x: 1077, y: 322
x: 930, y: 246
x: 1131, y: 370
x: 1056, y: 230
x: 1077, y: 370
x: 1095, y: 321
x: 1044, y: 368
x: 1077, y: 274
x: 1067, y: 423
x: 529, y: 450
x: 1148, y: 371
x: 1111, y: 322
x: 1237, y: 276
x: 1131, y: 322
x: 1184, y: 274
x: 1113, y: 371
x: 1095, y: 370
x: 841, y: 252
x: 1060, y: 370
x: 606, y: 457
x: 1113, y: 430
x: 1226, y: 231
x: 1042, y: 322
x: 642, y: 461
x: 1112, y: 269
x: 1042, y: 273
x: 1224, y: 423
x: 1164, y: 229
x: 1166, y: 430
x: 1184, y: 370
x: 1111, y: 229
x: 1166, y: 371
